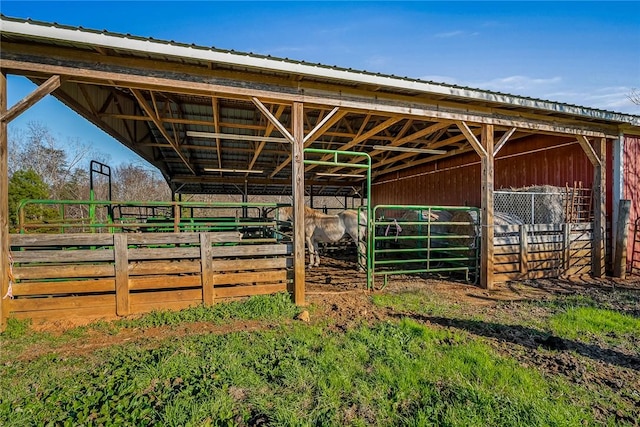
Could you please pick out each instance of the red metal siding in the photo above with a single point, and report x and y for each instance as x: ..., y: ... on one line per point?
x: 631, y: 170
x: 535, y: 160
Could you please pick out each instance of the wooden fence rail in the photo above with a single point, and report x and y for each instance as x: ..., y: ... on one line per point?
x: 542, y: 251
x: 107, y: 275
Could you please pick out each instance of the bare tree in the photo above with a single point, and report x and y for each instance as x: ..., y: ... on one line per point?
x: 634, y: 96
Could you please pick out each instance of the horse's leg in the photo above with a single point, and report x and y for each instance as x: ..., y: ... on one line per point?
x: 311, y: 247
x: 316, y: 249
x: 362, y: 256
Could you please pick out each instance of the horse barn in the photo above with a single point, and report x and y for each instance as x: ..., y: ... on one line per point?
x: 451, y: 180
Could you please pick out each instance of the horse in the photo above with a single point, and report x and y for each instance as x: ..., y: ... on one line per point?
x: 320, y: 227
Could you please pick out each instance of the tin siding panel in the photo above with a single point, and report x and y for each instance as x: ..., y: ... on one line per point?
x: 631, y: 171
x: 534, y: 160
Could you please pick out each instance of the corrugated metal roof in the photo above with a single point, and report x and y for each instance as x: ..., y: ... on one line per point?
x: 172, y: 50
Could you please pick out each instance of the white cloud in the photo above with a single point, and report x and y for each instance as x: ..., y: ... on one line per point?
x: 457, y: 33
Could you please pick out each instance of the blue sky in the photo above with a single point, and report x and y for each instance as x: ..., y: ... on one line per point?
x: 584, y: 53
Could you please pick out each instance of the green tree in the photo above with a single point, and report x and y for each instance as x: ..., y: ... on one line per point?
x: 27, y: 184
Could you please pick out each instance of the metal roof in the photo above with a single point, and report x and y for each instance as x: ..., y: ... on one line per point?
x: 378, y: 109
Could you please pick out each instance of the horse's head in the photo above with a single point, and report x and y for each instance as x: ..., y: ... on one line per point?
x: 285, y: 213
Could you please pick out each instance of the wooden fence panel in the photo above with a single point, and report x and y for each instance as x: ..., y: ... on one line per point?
x: 109, y: 275
x: 525, y: 252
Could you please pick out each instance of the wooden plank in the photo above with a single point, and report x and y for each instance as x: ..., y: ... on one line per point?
x: 64, y: 271
x: 122, y: 274
x: 249, y: 277
x: 578, y: 270
x: 582, y: 226
x: 168, y: 238
x: 531, y: 240
x: 220, y: 265
x: 251, y: 250
x: 182, y: 238
x: 531, y: 257
x: 501, y: 229
x: 241, y: 291
x: 206, y: 264
x: 68, y: 287
x: 158, y: 299
x: 163, y: 282
x: 89, y: 314
x: 583, y: 236
x: 581, y: 245
x: 83, y: 255
x: 555, y: 264
x: 506, y: 249
x: 507, y: 268
x: 145, y: 268
x: 71, y: 239
x: 163, y: 253
x: 61, y: 303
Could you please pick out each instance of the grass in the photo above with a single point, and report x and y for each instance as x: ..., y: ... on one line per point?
x: 585, y: 322
x: 401, y: 372
x: 390, y: 374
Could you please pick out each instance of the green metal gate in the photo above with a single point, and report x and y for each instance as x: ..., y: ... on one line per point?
x: 335, y: 158
x: 409, y: 239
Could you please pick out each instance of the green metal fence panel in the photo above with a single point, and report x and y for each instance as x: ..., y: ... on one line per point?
x: 413, y: 239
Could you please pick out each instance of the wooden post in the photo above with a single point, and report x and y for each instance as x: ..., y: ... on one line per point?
x: 622, y: 238
x: 297, y: 184
x: 600, y: 210
x: 176, y: 216
x: 4, y: 208
x: 206, y: 269
x: 487, y: 172
x: 121, y: 257
x: 566, y: 248
x: 524, y: 249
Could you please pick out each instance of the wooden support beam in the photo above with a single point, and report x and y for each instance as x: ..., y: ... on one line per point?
x: 599, y: 207
x: 487, y: 173
x: 274, y: 120
x: 156, y: 120
x: 477, y: 146
x: 312, y: 135
x: 4, y: 208
x: 589, y: 151
x: 503, y: 140
x: 297, y: 176
x: 28, y: 101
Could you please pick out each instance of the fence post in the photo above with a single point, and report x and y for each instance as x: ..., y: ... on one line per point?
x: 122, y: 273
x: 206, y: 269
x: 622, y: 237
x: 566, y: 241
x: 524, y: 250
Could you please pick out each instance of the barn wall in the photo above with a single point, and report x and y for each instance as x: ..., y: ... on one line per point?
x: 631, y: 172
x: 534, y: 160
